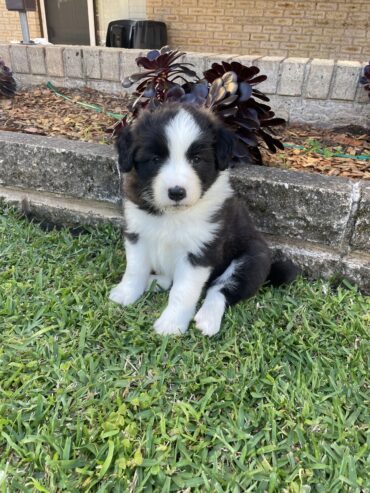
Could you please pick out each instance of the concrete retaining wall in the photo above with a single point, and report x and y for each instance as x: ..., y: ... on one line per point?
x: 319, y: 92
x: 323, y: 223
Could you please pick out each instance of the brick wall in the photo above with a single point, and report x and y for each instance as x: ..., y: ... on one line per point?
x: 10, y: 28
x: 326, y: 29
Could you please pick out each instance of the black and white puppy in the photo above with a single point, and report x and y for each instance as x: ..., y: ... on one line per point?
x: 185, y: 229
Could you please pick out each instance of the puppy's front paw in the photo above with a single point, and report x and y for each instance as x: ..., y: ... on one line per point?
x: 125, y: 294
x: 171, y: 322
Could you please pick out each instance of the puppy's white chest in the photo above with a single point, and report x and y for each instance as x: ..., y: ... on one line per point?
x: 170, y: 237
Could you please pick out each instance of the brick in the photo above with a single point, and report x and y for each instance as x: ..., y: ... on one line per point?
x: 249, y: 28
x: 91, y: 63
x: 292, y: 76
x: 270, y: 66
x: 232, y: 43
x: 214, y: 27
x: 346, y: 79
x: 19, y: 59
x: 110, y: 64
x: 73, y: 62
x: 260, y: 37
x: 36, y: 58
x: 319, y: 78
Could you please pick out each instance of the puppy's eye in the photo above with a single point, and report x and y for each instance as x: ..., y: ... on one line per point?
x: 155, y: 159
x: 195, y: 159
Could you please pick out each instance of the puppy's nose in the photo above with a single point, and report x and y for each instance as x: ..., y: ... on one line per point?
x: 177, y: 193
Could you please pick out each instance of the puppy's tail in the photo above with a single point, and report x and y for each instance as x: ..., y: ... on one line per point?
x: 282, y: 272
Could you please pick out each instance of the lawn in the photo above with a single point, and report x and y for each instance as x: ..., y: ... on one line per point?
x: 92, y: 400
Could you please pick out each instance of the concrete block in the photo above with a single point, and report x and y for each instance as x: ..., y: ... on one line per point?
x: 107, y: 86
x: 73, y: 62
x: 346, y: 80
x: 248, y: 60
x: 19, y: 59
x: 362, y: 96
x: 320, y: 112
x: 219, y: 58
x: 361, y: 234
x: 59, y: 166
x: 356, y: 268
x: 54, y: 60
x: 36, y: 58
x: 5, y: 55
x: 28, y: 80
x: 109, y: 59
x: 314, y: 261
x: 291, y: 204
x: 292, y: 76
x: 270, y: 66
x: 128, y: 62
x: 91, y: 63
x: 200, y: 62
x: 69, y: 211
x: 319, y: 78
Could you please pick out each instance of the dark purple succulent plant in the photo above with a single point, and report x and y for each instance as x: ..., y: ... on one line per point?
x: 162, y: 70
x: 232, y: 96
x: 365, y: 79
x: 227, y: 89
x: 7, y: 82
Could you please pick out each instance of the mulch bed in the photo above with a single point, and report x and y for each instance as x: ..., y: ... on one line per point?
x: 41, y: 111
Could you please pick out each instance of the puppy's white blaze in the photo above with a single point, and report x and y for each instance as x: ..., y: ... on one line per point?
x: 172, y: 236
x: 180, y: 132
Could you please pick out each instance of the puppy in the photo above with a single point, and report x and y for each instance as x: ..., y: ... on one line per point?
x: 184, y: 227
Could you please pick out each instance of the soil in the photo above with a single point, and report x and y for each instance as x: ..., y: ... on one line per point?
x: 40, y: 111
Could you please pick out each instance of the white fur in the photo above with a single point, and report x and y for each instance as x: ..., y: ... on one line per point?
x: 181, y: 132
x: 135, y: 278
x: 184, y: 295
x: 159, y: 283
x: 170, y: 237
x: 209, y: 317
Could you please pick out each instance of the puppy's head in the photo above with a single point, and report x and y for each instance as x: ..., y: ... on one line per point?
x: 172, y: 156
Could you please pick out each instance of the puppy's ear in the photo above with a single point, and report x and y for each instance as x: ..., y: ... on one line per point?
x: 224, y: 148
x: 124, y: 147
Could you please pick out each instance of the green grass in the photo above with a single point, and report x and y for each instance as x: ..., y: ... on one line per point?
x: 92, y: 400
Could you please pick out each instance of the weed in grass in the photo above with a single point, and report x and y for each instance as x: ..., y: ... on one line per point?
x: 92, y: 400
